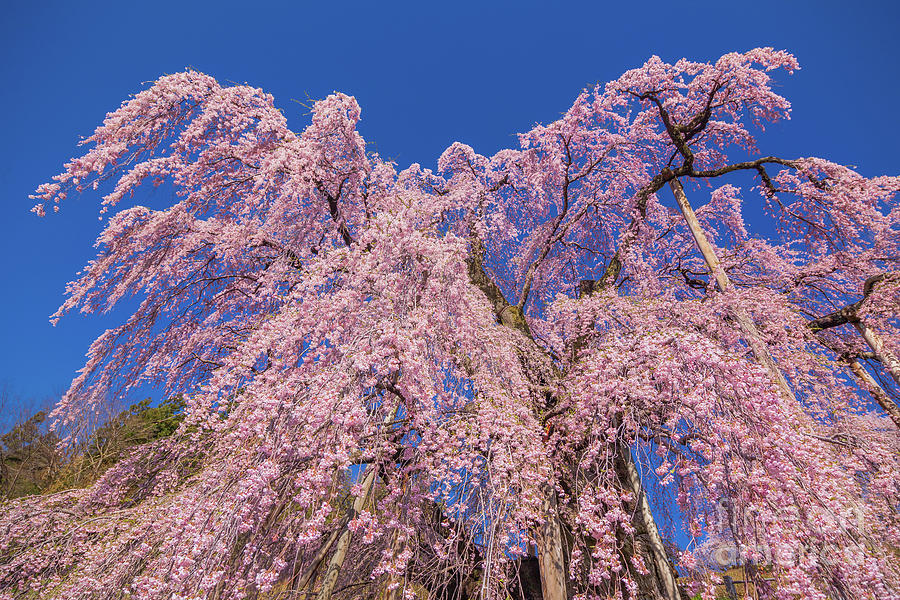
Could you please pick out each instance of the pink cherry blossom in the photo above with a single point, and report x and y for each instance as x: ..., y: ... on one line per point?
x: 512, y: 355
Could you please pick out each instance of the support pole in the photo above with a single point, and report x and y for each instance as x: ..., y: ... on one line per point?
x: 667, y: 584
x: 890, y: 362
x: 550, y: 552
x: 745, y: 322
x: 876, y: 390
x: 343, y: 543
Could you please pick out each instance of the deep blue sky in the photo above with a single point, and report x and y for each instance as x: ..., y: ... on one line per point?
x: 426, y: 74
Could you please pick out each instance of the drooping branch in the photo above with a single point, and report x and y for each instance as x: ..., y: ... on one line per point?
x: 664, y: 578
x: 850, y: 314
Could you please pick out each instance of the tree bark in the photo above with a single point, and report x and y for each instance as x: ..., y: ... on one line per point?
x: 661, y: 581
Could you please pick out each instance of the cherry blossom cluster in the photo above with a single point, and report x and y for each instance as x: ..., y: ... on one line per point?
x: 440, y: 363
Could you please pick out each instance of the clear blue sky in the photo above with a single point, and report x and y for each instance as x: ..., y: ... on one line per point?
x: 426, y: 74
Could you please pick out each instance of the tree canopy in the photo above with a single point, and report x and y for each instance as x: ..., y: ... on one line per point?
x: 521, y: 357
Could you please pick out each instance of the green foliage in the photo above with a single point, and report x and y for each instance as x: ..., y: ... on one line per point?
x: 139, y: 424
x: 31, y: 463
x: 28, y: 457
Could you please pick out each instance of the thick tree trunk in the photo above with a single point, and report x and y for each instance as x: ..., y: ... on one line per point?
x: 552, y: 557
x: 343, y: 543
